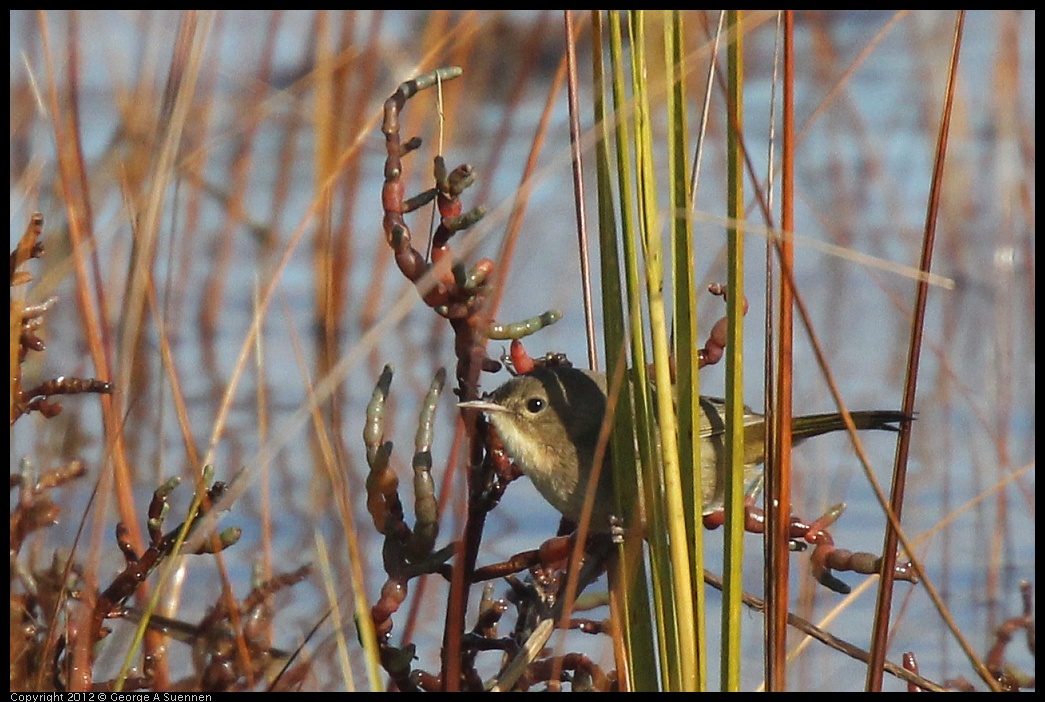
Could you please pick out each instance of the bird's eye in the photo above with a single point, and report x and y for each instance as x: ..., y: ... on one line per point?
x: 534, y: 405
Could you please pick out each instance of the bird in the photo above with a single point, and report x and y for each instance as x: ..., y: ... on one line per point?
x: 550, y: 418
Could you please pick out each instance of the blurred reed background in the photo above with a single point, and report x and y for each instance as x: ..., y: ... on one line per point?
x: 182, y: 163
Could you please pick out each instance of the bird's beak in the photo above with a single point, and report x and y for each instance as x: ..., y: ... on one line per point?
x: 481, y: 405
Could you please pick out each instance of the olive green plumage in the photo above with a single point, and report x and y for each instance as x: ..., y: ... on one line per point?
x: 549, y: 420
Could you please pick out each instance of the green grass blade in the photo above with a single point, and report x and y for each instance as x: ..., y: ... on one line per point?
x: 636, y: 634
x: 685, y: 316
x: 734, y: 532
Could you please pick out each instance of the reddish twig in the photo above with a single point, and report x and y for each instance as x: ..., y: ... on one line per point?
x: 825, y: 556
x: 458, y: 294
x: 26, y: 320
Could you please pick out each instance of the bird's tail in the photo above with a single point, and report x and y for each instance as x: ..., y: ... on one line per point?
x: 816, y: 424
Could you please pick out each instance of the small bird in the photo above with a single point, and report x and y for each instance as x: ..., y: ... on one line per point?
x: 549, y: 420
